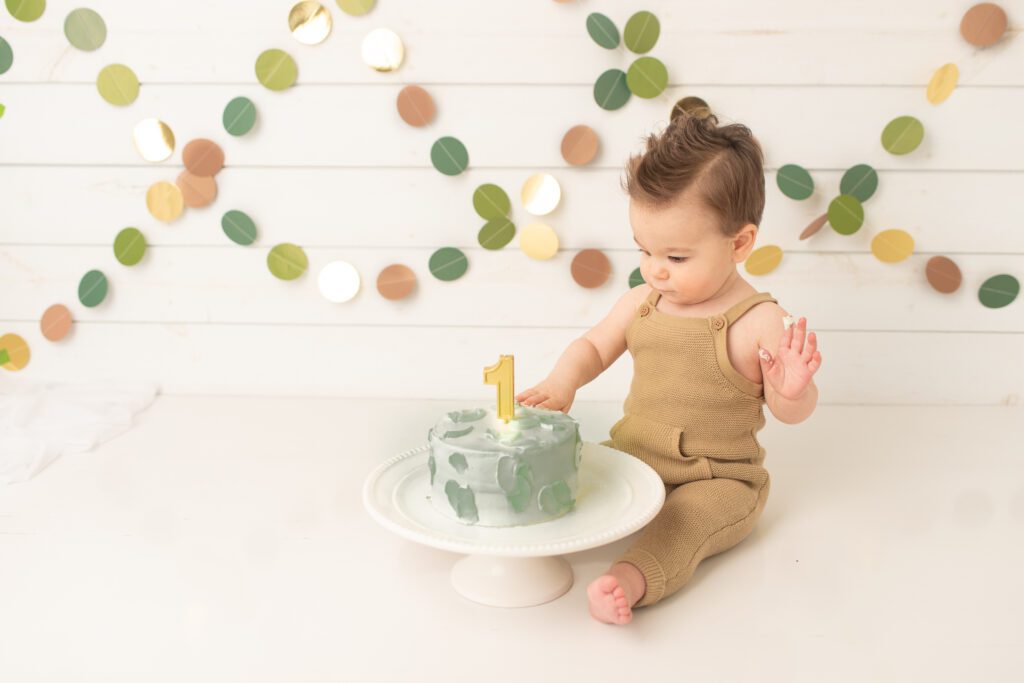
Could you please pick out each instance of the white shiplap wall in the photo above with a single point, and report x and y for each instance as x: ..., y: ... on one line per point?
x: 331, y: 167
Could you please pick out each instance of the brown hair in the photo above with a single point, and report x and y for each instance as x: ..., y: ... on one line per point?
x: 725, y: 163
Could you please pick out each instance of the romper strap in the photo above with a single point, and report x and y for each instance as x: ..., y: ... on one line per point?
x: 742, y: 307
x: 653, y: 297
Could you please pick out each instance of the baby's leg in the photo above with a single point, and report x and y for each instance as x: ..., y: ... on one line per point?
x: 699, y: 519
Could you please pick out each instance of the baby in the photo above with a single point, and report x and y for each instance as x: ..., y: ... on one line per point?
x: 700, y: 337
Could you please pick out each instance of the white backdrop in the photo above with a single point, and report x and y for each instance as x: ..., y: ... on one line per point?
x: 331, y: 167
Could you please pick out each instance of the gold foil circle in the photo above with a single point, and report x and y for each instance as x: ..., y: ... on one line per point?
x: 153, y: 139
x: 164, y: 201
x: 383, y: 50
x: 309, y: 22
x: 541, y: 194
x: 197, y: 191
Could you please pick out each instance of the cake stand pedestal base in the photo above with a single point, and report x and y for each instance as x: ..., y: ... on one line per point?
x: 512, y: 581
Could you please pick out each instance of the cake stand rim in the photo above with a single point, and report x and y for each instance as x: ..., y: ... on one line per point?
x: 593, y: 540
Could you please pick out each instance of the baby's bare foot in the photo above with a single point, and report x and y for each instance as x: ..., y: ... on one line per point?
x: 608, y: 601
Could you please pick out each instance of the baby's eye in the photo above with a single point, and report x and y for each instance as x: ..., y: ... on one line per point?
x: 676, y: 259
x: 641, y: 251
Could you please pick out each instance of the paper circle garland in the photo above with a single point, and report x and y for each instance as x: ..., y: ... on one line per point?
x: 164, y: 201
x: 85, y: 29
x: 26, y: 10
x: 590, y: 268
x: 647, y: 77
x: 6, y: 56
x: 118, y: 84
x: 383, y: 50
x: 579, y: 145
x: 449, y: 156
x: 356, y: 8
x: 611, y: 90
x: 92, y: 289
x: 814, y: 226
x: 642, y: 31
x: 496, y: 233
x: 196, y: 191
x: 794, y: 181
x: 448, y: 263
x: 203, y: 157
x: 984, y: 24
x: 764, y: 260
x: 56, y: 322
x: 415, y: 106
x: 287, y: 261
x: 276, y: 70
x: 153, y: 139
x: 860, y: 181
x: 846, y: 214
x: 129, y: 246
x: 239, y: 116
x: 892, y: 246
x: 541, y: 194
x: 14, y: 352
x: 395, y: 282
x: 998, y: 291
x: 942, y: 84
x: 902, y: 135
x: 338, y: 281
x: 943, y: 274
x: 636, y: 278
x: 239, y: 228
x: 490, y: 202
x: 603, y: 31
x: 309, y: 22
x: 538, y: 241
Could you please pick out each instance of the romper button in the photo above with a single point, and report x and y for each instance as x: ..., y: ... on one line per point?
x: 717, y: 322
x: 644, y: 310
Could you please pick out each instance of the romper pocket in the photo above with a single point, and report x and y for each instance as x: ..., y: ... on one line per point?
x: 637, y: 435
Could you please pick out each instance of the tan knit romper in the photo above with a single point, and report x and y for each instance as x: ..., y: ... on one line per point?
x: 693, y: 418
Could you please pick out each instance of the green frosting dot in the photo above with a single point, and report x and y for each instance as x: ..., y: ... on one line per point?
x: 516, y: 479
x: 468, y: 415
x: 432, y: 466
x: 462, y: 500
x: 458, y: 461
x: 455, y: 433
x: 556, y: 498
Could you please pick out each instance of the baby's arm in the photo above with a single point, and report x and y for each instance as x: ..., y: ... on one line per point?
x: 586, y: 357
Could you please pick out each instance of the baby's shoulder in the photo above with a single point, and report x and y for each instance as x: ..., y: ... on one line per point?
x: 766, y: 321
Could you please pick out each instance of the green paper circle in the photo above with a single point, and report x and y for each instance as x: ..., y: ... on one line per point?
x: 287, y: 261
x: 356, y: 8
x: 239, y: 228
x: 611, y: 90
x: 902, y: 135
x: 490, y: 202
x: 647, y: 77
x: 6, y: 55
x: 26, y: 10
x: 999, y: 291
x: 92, y: 290
x: 449, y: 156
x: 795, y: 182
x: 276, y: 69
x: 642, y: 31
x: 2, y: 110
x: 845, y: 214
x: 118, y: 84
x: 636, y: 279
x: 448, y: 263
x: 496, y: 233
x: 861, y: 181
x: 603, y: 31
x: 129, y: 246
x: 85, y: 29
x: 239, y: 116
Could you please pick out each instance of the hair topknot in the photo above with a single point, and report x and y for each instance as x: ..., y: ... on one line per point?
x: 725, y: 164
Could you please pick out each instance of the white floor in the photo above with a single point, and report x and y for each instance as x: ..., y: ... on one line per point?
x: 224, y: 539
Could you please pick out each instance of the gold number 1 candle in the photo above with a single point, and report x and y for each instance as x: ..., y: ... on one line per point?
x: 502, y: 374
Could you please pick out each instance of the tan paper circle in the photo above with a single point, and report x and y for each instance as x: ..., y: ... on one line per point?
x: 541, y: 194
x: 983, y: 25
x: 164, y: 201
x: 197, y: 191
x: 154, y: 139
x: 415, y: 106
x: 203, y: 157
x: 396, y: 282
x: 591, y: 268
x: 538, y: 241
x: 943, y: 274
x: 56, y: 322
x: 579, y: 145
x: 814, y: 226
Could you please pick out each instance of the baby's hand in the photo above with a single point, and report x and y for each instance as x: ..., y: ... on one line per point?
x: 790, y: 371
x: 548, y: 394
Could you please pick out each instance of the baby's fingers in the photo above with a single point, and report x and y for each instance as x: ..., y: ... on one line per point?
x: 809, y: 347
x: 815, y: 363
x: 526, y: 394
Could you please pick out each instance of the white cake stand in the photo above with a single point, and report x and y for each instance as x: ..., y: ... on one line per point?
x: 518, y: 566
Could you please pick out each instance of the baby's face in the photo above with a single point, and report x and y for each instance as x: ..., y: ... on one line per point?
x: 683, y: 254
